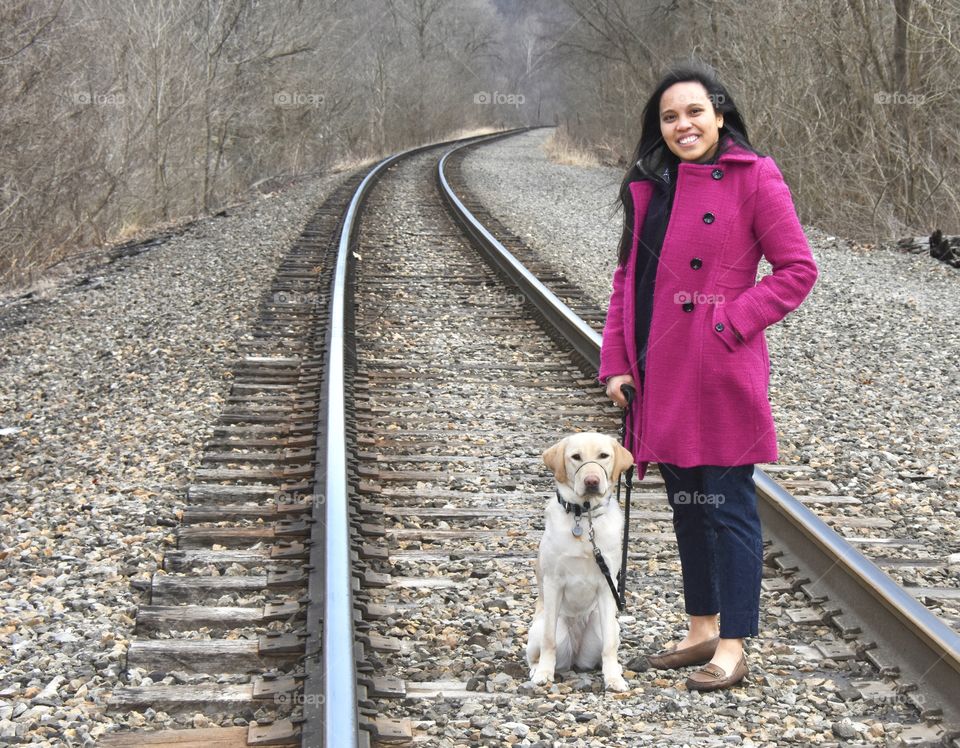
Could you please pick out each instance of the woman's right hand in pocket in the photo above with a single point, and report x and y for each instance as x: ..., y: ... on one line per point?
x: 613, y: 388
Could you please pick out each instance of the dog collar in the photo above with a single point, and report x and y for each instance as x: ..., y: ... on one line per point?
x: 569, y: 506
x: 578, y: 510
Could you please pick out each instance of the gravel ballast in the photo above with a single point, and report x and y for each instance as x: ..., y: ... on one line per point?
x: 462, y: 395
x: 109, y: 386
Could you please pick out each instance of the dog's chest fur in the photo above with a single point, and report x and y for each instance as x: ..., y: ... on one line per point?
x: 568, y: 560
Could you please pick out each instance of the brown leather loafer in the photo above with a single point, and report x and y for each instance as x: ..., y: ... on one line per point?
x: 713, y: 678
x: 671, y: 659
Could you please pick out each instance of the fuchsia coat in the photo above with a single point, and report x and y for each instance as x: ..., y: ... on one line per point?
x: 704, y: 399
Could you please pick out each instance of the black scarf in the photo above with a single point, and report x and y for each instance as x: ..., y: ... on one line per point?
x: 648, y: 254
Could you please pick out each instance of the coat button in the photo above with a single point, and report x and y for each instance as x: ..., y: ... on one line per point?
x: 708, y: 217
x: 717, y: 174
x: 688, y: 307
x: 696, y: 263
x: 719, y: 327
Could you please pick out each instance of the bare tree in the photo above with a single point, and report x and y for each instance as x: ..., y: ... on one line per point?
x: 120, y: 115
x: 837, y: 91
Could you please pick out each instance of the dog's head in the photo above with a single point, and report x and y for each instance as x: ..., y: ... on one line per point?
x: 589, y: 463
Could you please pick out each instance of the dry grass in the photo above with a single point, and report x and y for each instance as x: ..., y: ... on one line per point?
x: 562, y: 149
x: 350, y: 163
x: 472, y: 132
x: 368, y: 159
x: 42, y: 288
x: 42, y: 276
x: 127, y: 232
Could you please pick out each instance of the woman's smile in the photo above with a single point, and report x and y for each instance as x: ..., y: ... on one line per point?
x: 689, y: 124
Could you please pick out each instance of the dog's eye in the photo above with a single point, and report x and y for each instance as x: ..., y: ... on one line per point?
x: 604, y: 455
x: 576, y: 457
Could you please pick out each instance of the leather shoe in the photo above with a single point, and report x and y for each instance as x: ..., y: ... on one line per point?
x: 671, y: 659
x: 712, y: 678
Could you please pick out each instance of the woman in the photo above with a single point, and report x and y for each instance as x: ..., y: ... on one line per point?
x: 686, y: 322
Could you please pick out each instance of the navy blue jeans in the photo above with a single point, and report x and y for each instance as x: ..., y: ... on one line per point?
x: 721, y: 547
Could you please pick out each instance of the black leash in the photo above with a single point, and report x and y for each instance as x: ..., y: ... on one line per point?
x: 578, y: 510
x: 621, y: 593
x: 606, y: 575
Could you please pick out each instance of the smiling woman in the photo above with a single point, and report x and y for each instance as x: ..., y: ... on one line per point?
x: 689, y: 123
x: 686, y: 321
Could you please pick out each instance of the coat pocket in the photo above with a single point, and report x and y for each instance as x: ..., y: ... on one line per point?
x: 737, y: 276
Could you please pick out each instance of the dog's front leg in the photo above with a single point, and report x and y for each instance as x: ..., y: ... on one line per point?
x: 610, y: 636
x: 543, y: 672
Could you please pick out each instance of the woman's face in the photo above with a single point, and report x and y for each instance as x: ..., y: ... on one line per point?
x: 688, y: 122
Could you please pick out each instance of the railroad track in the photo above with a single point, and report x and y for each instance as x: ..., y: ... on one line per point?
x: 223, y: 625
x: 407, y: 541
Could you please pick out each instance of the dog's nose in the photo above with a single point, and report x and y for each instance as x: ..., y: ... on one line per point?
x: 591, y: 482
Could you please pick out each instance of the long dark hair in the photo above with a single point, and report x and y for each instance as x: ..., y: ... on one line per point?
x: 652, y: 155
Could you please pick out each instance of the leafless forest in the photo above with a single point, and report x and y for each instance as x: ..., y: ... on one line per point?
x: 116, y: 116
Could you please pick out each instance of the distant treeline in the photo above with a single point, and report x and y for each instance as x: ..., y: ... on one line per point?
x: 116, y: 115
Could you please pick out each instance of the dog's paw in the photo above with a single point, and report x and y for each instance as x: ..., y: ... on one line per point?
x: 542, y: 677
x: 616, y: 683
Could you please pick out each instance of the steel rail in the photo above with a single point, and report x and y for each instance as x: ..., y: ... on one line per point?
x: 584, y: 339
x: 925, y: 650
x: 330, y: 708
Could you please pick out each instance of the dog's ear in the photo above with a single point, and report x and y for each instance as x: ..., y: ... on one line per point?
x: 622, y: 459
x: 554, y: 459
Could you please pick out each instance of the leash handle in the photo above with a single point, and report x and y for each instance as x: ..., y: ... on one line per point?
x: 629, y: 392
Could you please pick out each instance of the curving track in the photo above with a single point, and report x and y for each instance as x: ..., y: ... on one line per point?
x: 375, y: 490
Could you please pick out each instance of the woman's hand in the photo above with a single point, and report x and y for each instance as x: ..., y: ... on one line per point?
x: 613, y: 389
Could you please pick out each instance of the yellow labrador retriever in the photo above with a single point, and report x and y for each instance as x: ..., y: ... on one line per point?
x: 575, y: 623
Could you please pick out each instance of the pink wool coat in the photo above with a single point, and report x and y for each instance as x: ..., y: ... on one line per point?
x: 704, y: 399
